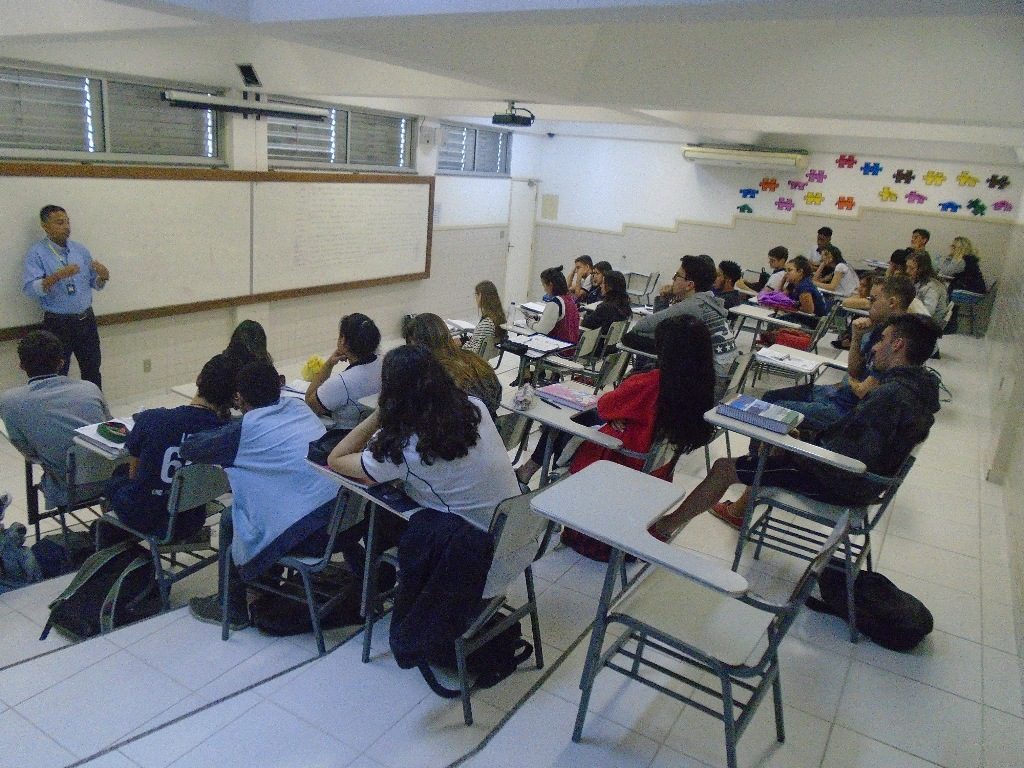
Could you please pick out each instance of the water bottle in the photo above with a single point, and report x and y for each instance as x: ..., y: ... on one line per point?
x: 512, y: 307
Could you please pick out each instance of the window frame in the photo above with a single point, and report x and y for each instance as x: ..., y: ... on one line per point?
x: 477, y: 128
x: 313, y: 165
x: 107, y: 156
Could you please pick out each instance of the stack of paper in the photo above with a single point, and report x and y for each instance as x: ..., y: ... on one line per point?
x: 90, y: 433
x: 774, y: 356
x: 562, y: 394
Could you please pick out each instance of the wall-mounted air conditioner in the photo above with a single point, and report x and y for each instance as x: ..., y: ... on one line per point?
x: 739, y: 156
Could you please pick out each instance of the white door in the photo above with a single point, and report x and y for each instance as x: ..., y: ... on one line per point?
x: 522, y: 208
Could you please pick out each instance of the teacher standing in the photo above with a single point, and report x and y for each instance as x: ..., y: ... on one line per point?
x: 61, y: 274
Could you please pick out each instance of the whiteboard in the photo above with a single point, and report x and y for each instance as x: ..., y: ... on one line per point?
x: 313, y: 234
x: 165, y: 242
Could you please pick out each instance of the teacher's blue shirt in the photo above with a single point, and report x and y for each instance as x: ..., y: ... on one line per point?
x: 46, y: 257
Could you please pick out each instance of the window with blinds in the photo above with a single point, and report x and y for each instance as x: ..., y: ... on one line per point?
x: 467, y: 149
x: 346, y: 138
x: 49, y: 114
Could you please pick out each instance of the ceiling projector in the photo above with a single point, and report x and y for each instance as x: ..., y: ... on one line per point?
x: 515, y: 116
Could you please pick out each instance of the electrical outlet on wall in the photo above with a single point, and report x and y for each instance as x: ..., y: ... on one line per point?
x: 147, y: 365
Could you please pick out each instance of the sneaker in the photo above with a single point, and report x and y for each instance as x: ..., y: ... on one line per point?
x: 653, y: 530
x: 724, y: 511
x: 843, y: 343
x: 5, y: 502
x: 207, y: 610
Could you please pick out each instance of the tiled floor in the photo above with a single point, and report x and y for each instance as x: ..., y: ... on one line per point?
x: 168, y: 692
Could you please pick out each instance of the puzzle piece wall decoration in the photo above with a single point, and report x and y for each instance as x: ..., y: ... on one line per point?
x: 949, y: 206
x: 816, y: 176
x: 769, y: 185
x: 997, y: 182
x: 845, y: 203
x: 846, y: 161
x: 1002, y: 205
x: 871, y: 169
x: 784, y: 204
x: 903, y: 176
x: 794, y: 184
x: 977, y: 207
x: 915, y: 197
x: 966, y: 180
x: 814, y: 198
x: 748, y: 192
x: 886, y: 195
x: 744, y: 208
x: 935, y: 178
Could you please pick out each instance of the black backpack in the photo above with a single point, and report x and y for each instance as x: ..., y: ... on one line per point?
x: 889, y: 616
x: 114, y: 587
x: 489, y: 664
x: 280, y: 616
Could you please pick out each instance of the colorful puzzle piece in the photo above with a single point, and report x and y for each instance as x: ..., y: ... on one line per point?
x: 977, y: 207
x: 949, y: 206
x: 886, y: 195
x: 784, y: 203
x: 966, y: 180
x: 744, y: 208
x: 844, y: 203
x: 794, y: 184
x: 846, y: 161
x: 903, y: 176
x: 748, y: 192
x: 871, y: 169
x: 913, y: 196
x: 935, y: 178
x: 816, y: 176
x: 769, y: 185
x: 1002, y: 205
x: 814, y: 198
x: 997, y: 182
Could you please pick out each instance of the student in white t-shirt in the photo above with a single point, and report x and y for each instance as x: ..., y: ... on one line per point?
x: 835, y: 274
x: 338, y: 395
x: 440, y: 443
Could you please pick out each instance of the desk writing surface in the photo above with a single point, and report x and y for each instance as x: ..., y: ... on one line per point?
x: 616, y: 504
x: 559, y: 418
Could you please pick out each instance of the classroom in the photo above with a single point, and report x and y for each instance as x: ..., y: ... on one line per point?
x: 905, y: 117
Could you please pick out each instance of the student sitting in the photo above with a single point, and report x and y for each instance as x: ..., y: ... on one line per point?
x: 441, y: 443
x: 470, y: 373
x: 41, y: 417
x: 728, y: 274
x: 248, y: 344
x: 777, y: 258
x: 601, y: 269
x: 800, y: 287
x: 930, y: 289
x: 880, y: 431
x: 138, y: 492
x: 824, y: 404
x: 614, y: 304
x: 580, y: 282
x: 841, y: 279
x: 561, y: 318
x: 667, y: 402
x: 492, y: 318
x: 338, y: 396
x: 280, y: 503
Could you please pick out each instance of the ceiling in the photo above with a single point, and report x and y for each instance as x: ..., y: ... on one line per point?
x: 935, y: 78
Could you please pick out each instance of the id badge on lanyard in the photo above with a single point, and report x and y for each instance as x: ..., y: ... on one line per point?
x: 62, y: 260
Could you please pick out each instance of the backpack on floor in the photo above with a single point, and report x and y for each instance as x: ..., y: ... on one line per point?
x: 489, y: 664
x: 885, y: 613
x: 114, y: 587
x: 280, y: 616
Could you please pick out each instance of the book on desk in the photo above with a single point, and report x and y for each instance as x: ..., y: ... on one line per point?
x: 768, y: 416
x: 570, y: 397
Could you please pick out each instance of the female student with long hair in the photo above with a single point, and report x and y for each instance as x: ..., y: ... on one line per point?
x: 930, y: 289
x: 841, y: 279
x: 440, y: 442
x: 492, y: 317
x: 248, y: 344
x: 668, y: 401
x: 614, y: 304
x: 470, y: 373
x: 800, y: 287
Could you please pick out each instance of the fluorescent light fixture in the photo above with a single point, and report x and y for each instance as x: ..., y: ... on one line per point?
x: 243, y: 106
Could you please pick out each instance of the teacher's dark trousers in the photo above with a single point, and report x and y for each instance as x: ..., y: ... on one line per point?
x: 81, y: 338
